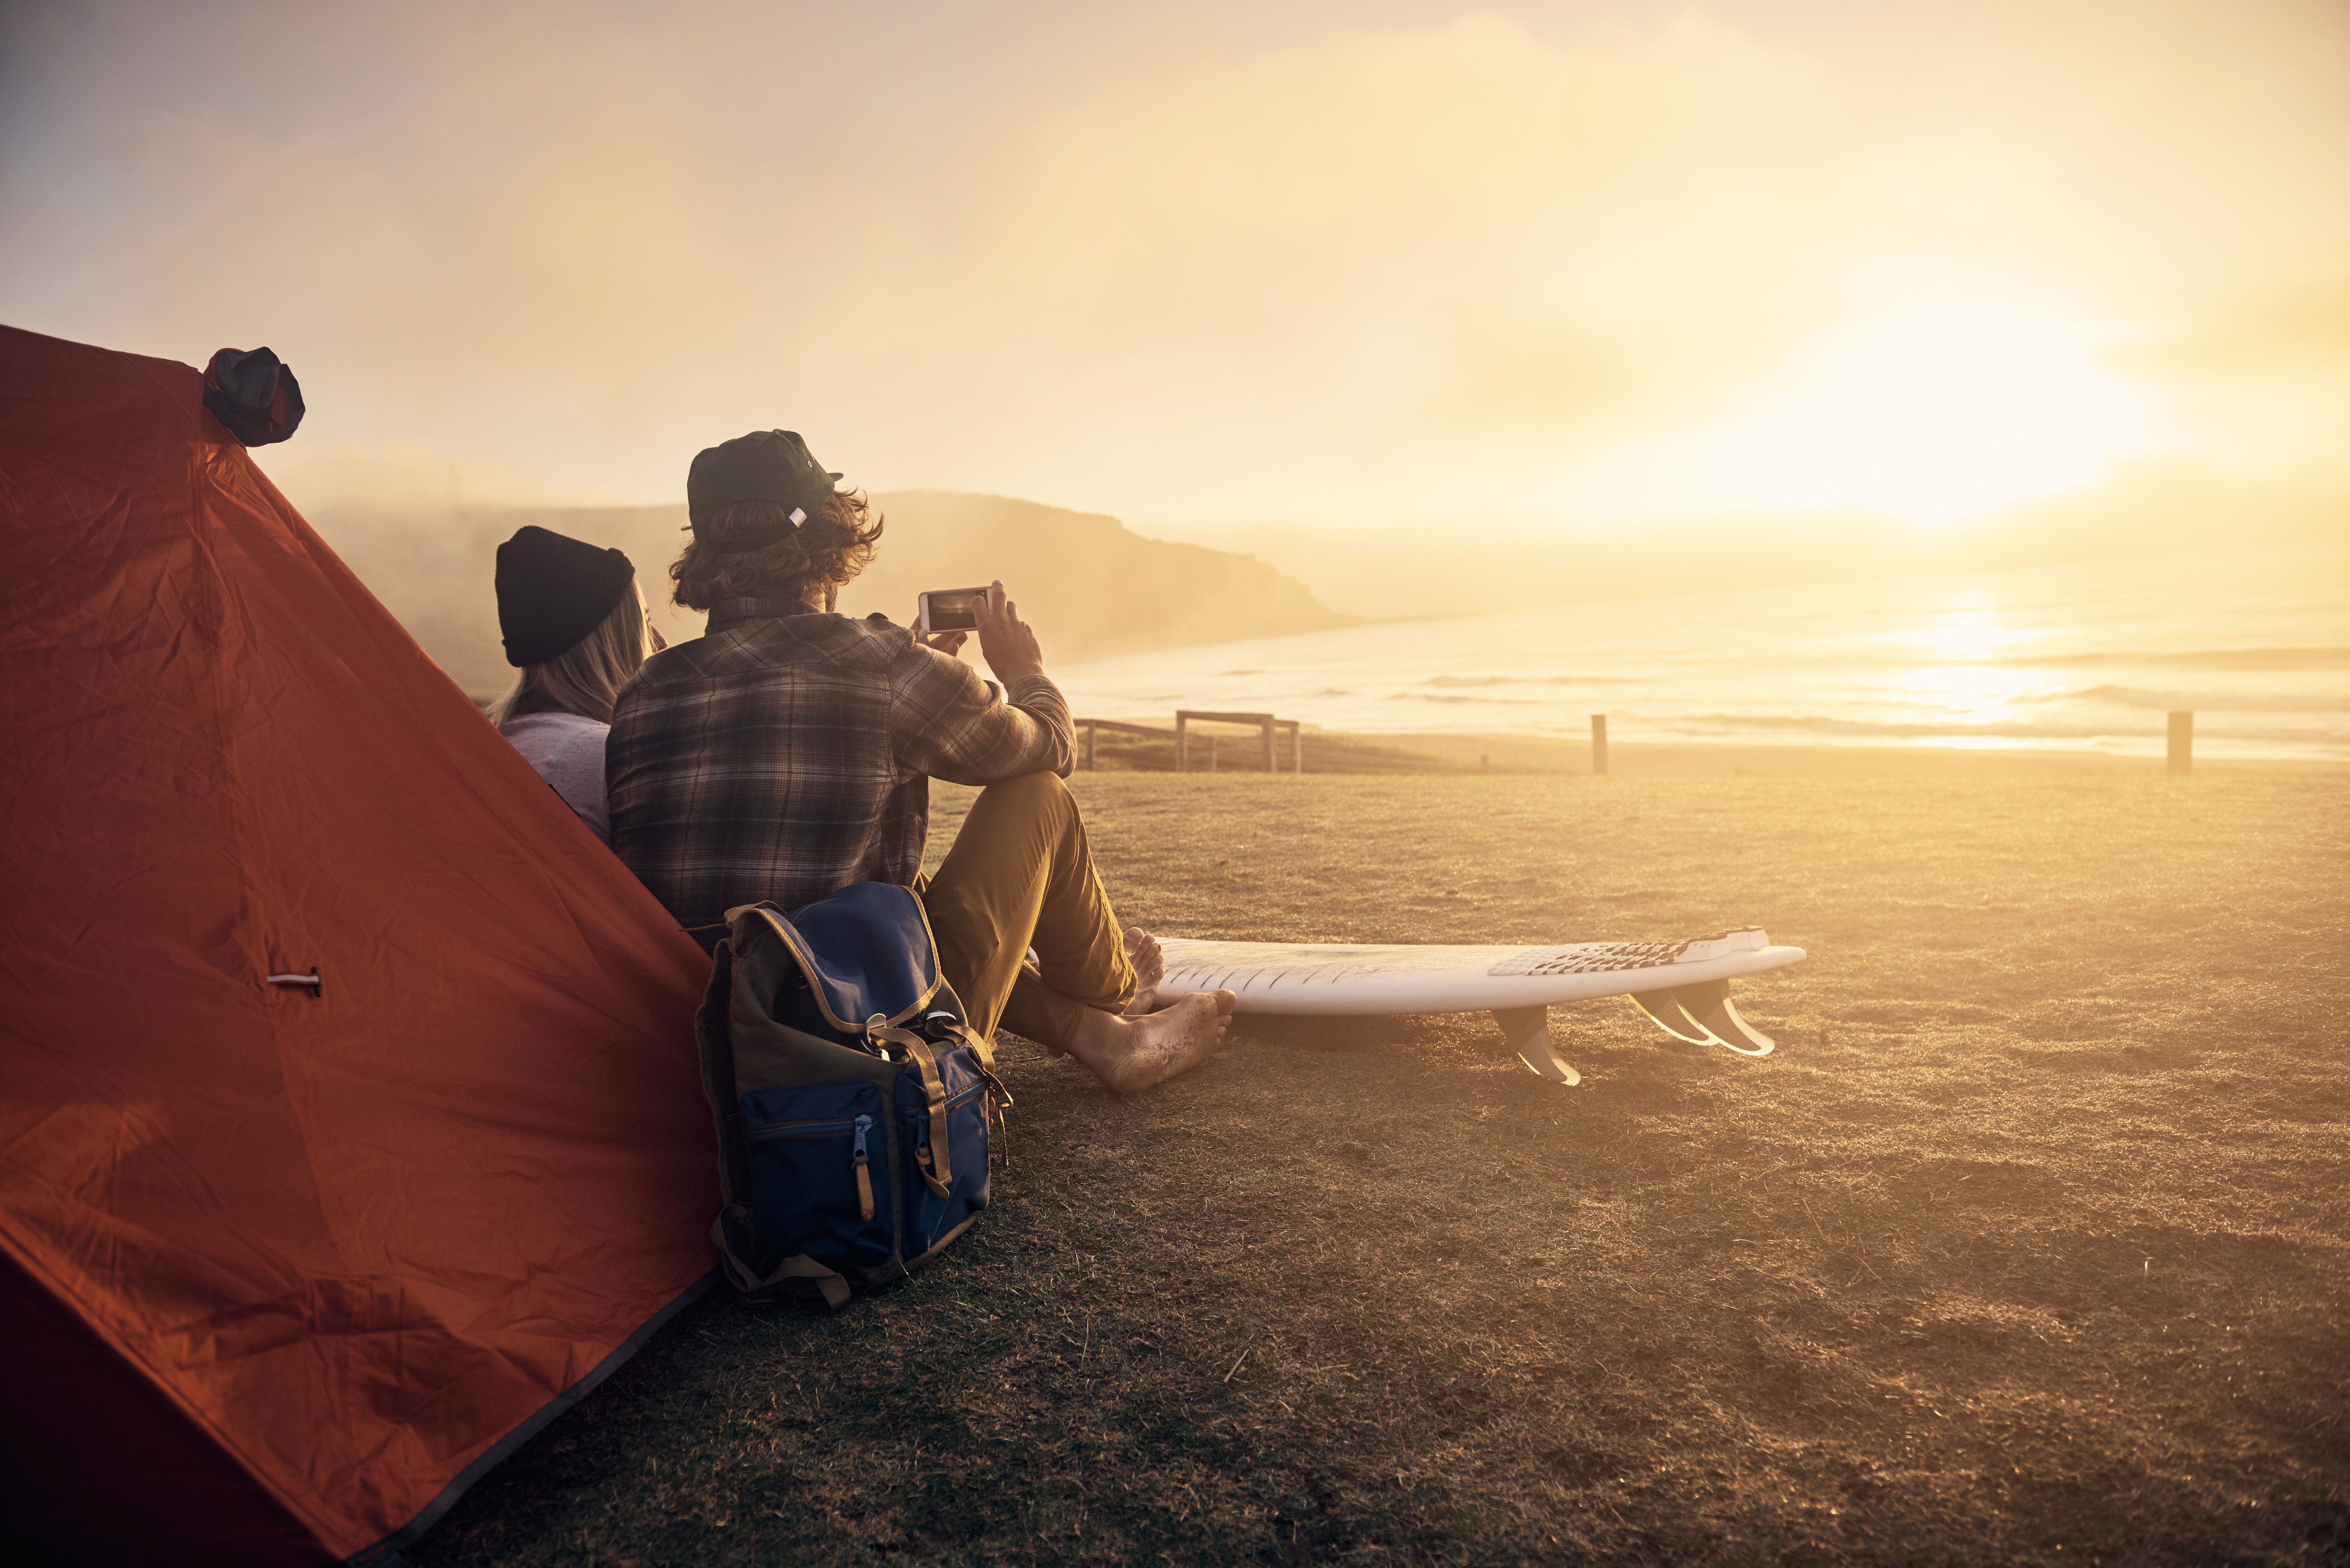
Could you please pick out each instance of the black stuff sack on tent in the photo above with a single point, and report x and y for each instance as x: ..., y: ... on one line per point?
x: 254, y: 395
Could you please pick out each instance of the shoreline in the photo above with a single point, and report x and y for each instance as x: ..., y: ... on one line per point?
x: 1527, y: 753
x: 1518, y: 754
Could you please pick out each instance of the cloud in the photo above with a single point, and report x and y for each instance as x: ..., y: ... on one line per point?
x: 1305, y: 275
x: 1241, y: 264
x: 1404, y: 242
x: 2262, y: 386
x: 2298, y: 328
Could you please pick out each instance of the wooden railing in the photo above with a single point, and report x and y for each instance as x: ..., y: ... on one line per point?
x: 2181, y: 748
x: 1090, y: 725
x: 1266, y: 725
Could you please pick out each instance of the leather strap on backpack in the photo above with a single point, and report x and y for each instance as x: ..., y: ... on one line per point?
x: 799, y: 1266
x: 920, y: 1051
x: 985, y: 1049
x: 981, y: 1045
x: 933, y: 1160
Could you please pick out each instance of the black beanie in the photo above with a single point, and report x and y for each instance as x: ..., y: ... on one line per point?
x: 554, y: 590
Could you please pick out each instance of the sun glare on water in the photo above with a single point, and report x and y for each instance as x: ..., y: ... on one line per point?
x: 1971, y: 627
x: 1953, y: 664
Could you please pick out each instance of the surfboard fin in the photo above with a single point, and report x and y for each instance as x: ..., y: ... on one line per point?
x: 1665, y: 1009
x: 1527, y: 1029
x: 1709, y: 1004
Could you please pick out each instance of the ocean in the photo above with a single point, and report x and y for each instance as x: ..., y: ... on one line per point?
x: 2255, y: 642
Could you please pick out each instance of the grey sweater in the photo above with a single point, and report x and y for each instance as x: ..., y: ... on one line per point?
x: 569, y: 752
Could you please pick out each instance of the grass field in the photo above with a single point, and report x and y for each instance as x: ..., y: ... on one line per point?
x: 2031, y: 1244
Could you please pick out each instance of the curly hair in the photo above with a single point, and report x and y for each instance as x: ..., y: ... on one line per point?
x: 824, y: 552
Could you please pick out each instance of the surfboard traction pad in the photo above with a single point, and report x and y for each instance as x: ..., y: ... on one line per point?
x: 1599, y: 958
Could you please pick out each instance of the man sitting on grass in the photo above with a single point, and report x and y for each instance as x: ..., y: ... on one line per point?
x: 788, y: 753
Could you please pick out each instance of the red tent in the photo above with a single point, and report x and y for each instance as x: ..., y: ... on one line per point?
x: 284, y: 1268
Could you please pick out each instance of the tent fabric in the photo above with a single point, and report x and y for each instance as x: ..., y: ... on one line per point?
x: 288, y: 1266
x: 97, y: 1464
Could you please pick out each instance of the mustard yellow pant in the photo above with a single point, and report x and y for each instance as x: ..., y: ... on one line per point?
x: 1020, y: 875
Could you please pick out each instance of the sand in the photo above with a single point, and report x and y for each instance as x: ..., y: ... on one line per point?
x: 2031, y: 1244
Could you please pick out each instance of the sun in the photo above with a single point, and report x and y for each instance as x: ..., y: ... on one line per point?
x: 1930, y: 409
x: 1939, y: 412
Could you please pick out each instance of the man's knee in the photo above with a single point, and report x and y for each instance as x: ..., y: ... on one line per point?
x: 1039, y: 794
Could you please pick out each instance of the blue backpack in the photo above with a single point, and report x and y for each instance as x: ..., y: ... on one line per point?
x: 853, y: 1098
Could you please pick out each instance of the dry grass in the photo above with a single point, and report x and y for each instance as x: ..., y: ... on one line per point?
x: 2031, y: 1245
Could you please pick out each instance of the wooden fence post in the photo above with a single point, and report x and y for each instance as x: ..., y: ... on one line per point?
x: 1599, y: 743
x: 1266, y: 727
x: 2183, y: 742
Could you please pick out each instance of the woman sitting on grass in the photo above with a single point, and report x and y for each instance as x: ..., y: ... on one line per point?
x: 576, y: 623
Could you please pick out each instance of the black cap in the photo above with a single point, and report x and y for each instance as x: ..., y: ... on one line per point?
x: 765, y: 465
x: 552, y: 590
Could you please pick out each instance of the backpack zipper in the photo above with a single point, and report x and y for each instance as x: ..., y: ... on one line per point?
x: 858, y: 1159
x: 864, y: 1176
x: 832, y: 1127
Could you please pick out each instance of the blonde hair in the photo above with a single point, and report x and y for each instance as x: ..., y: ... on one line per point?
x: 586, y: 678
x: 824, y: 552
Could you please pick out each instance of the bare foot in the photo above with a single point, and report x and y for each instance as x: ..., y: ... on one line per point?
x: 1128, y: 1054
x: 1150, y: 969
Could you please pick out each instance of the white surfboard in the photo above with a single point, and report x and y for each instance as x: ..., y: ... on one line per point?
x: 1683, y: 987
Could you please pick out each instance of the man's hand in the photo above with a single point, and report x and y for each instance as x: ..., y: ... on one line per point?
x: 1006, y: 641
x: 947, y: 642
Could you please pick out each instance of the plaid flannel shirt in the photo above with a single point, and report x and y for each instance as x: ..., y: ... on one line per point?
x: 786, y: 754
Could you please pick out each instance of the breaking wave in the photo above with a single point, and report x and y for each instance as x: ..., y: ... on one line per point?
x: 2203, y: 701
x: 2254, y: 658
x: 1539, y: 681
x: 1924, y: 730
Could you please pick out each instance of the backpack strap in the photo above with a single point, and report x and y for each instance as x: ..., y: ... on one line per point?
x: 933, y: 1160
x: 983, y: 1052
x: 981, y: 1046
x: 999, y: 1098
x: 799, y: 1266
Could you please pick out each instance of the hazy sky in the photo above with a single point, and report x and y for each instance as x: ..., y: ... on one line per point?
x: 1522, y: 267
